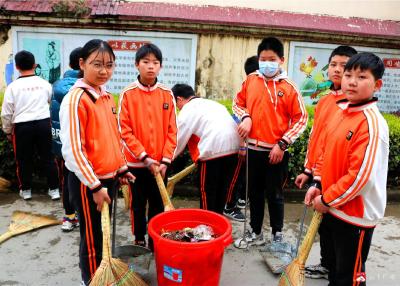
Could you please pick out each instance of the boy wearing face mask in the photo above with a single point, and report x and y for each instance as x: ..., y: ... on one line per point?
x: 273, y: 116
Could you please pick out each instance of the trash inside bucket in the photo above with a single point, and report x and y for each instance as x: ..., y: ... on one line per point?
x: 185, y: 263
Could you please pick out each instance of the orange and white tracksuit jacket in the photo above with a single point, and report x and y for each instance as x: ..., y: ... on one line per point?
x: 147, y: 123
x: 324, y: 110
x: 276, y: 109
x: 354, y: 164
x: 91, y: 144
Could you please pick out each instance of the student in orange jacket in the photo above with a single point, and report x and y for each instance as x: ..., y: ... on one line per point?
x: 273, y: 116
x: 349, y: 184
x: 324, y: 110
x: 91, y: 147
x: 147, y: 122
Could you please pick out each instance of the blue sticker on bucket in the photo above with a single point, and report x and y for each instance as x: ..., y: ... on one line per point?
x: 173, y: 274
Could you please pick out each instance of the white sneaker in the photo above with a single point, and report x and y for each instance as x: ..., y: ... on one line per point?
x: 69, y: 224
x: 250, y: 238
x: 54, y: 194
x: 25, y: 194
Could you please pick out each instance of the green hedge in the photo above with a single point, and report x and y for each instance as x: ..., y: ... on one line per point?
x: 297, y: 151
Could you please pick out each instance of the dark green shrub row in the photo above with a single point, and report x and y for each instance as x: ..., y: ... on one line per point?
x: 297, y: 151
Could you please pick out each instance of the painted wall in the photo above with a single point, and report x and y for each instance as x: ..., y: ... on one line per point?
x: 373, y: 9
x: 5, y: 56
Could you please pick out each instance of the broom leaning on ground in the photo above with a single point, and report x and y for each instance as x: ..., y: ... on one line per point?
x: 293, y: 275
x: 112, y: 271
x: 22, y: 222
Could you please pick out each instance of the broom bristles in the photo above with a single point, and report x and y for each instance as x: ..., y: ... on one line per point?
x: 4, y: 184
x: 293, y: 275
x: 22, y: 222
x: 112, y: 271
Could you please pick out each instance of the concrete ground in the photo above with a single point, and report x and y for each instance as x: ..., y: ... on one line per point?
x: 50, y: 257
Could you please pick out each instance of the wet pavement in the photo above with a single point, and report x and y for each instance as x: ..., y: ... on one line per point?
x: 50, y: 257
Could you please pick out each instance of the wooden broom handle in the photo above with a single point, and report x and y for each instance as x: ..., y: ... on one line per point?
x: 163, y: 192
x: 309, y: 238
x: 6, y: 236
x: 105, y: 226
x: 177, y: 177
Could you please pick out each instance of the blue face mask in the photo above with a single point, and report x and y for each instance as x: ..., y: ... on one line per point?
x: 269, y: 69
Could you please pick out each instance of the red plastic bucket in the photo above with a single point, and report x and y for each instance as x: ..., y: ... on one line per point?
x: 185, y: 263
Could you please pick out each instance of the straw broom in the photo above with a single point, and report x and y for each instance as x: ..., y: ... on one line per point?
x: 177, y: 177
x: 293, y: 275
x: 22, y: 222
x: 4, y: 184
x: 112, y: 271
x: 125, y: 194
x: 164, y: 194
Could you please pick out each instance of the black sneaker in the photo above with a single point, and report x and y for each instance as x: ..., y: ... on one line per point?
x: 234, y: 214
x: 316, y: 272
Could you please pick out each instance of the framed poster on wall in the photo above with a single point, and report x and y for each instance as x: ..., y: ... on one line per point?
x: 308, y: 65
x: 52, y: 46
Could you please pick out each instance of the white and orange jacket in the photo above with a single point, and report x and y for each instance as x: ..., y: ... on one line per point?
x: 354, y: 164
x: 208, y: 129
x: 147, y: 123
x: 276, y: 109
x: 324, y: 110
x: 91, y: 144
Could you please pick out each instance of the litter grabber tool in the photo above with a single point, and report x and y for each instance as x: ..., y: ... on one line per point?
x: 241, y: 242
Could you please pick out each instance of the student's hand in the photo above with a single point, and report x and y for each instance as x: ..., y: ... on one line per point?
x: 245, y: 127
x: 152, y: 165
x: 127, y: 178
x: 162, y: 169
x: 310, y: 195
x: 319, y: 205
x: 99, y: 198
x: 276, y: 155
x: 301, y: 180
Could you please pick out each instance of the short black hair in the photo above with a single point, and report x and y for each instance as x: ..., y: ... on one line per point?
x: 93, y: 46
x: 74, y: 58
x: 24, y: 60
x: 271, y: 43
x: 148, y: 49
x: 182, y: 90
x: 366, y: 61
x: 346, y: 51
x: 251, y: 65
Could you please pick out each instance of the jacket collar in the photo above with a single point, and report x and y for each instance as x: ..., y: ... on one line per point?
x: 145, y: 87
x: 346, y: 105
x: 81, y: 84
